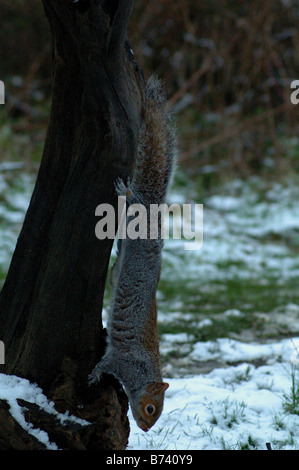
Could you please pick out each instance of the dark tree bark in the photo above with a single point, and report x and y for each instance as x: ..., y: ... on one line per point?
x: 50, y: 304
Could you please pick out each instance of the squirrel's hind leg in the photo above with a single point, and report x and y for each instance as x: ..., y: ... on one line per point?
x: 96, y: 375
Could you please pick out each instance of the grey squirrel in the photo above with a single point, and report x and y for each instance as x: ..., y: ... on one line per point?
x: 132, y: 353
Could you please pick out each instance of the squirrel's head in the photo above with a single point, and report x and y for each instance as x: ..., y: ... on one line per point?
x: 147, y: 404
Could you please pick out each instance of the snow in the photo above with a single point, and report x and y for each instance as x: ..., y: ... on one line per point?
x: 240, y: 402
x: 13, y: 206
x: 12, y: 388
x: 230, y: 407
x: 239, y: 228
x: 230, y: 350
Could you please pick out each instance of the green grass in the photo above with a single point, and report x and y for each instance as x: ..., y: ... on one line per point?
x: 291, y: 400
x: 249, y: 443
x: 210, y: 300
x: 2, y: 276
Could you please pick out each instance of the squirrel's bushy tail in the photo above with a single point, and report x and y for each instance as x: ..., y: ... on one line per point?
x: 157, y: 143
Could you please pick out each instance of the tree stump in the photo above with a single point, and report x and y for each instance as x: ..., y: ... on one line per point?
x: 51, y: 302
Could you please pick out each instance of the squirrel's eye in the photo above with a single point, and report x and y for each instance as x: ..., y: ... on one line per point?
x: 150, y: 409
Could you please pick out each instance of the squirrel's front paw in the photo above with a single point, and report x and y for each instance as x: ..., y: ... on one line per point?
x: 123, y: 189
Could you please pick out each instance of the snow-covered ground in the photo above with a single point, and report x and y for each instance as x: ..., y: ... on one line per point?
x: 241, y: 400
x: 235, y: 407
x: 242, y: 227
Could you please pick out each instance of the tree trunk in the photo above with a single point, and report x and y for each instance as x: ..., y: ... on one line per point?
x: 50, y: 304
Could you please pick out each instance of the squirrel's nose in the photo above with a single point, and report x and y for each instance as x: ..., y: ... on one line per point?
x: 144, y: 427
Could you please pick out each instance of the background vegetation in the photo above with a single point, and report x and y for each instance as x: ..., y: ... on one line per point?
x: 227, y: 64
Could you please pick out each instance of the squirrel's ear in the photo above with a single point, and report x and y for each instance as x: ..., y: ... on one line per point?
x: 157, y: 387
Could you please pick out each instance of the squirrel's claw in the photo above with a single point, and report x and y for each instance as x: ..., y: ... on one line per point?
x: 94, y: 377
x: 121, y: 188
